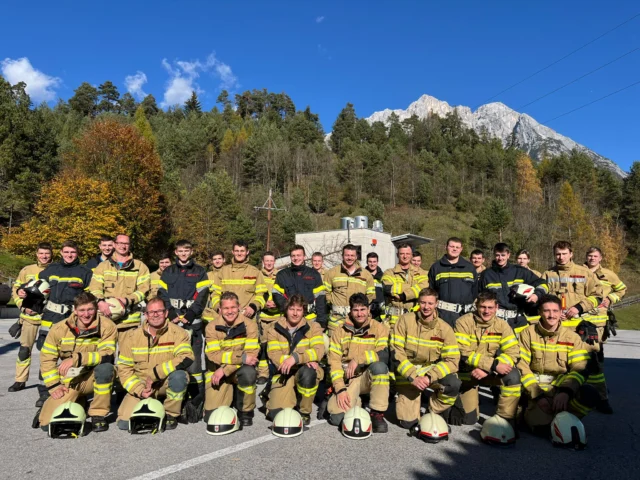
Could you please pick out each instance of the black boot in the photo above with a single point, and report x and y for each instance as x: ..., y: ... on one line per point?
x: 17, y: 386
x: 603, y: 407
x: 306, y: 419
x: 99, y: 424
x: 43, y: 398
x: 171, y: 423
x: 378, y: 422
x: 246, y: 418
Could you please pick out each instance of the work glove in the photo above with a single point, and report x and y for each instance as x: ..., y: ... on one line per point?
x: 612, y: 324
x: 42, y: 335
x: 588, y: 332
x: 15, y: 330
x: 456, y: 413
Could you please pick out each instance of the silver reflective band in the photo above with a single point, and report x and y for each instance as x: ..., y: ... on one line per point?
x: 178, y: 304
x: 544, y: 378
x: 343, y: 311
x: 455, y: 307
x: 395, y: 311
x: 57, y: 308
x: 197, y: 321
x: 505, y: 314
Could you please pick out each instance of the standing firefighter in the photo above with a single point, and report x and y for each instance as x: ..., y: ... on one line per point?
x: 425, y: 355
x: 232, y: 356
x: 456, y: 281
x: 402, y: 284
x: 85, y: 346
x: 376, y: 272
x: 344, y: 280
x: 303, y: 280
x: 163, y: 262
x: 241, y: 278
x: 553, y: 366
x: 125, y: 279
x: 358, y: 360
x: 106, y: 247
x: 269, y: 315
x: 27, y: 327
x: 295, y: 347
x: 184, y: 289
x: 502, y: 278
x: 489, y: 354
x: 580, y: 293
x: 152, y: 363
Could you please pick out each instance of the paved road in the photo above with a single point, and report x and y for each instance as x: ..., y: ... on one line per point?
x: 321, y: 452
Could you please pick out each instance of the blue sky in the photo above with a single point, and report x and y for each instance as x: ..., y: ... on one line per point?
x: 373, y: 54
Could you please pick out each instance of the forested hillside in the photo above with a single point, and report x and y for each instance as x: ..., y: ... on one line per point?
x: 103, y: 163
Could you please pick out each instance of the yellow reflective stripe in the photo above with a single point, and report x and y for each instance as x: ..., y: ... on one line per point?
x: 334, y: 347
x: 66, y: 279
x: 276, y: 345
x: 370, y: 356
x: 142, y: 279
x: 463, y: 339
x: 278, y: 288
x: 48, y: 348
x: 232, y: 281
x: 404, y: 367
x: 528, y: 380
x: 102, y: 388
x: 250, y: 390
x: 397, y: 340
x: 317, y: 340
x: 450, y: 351
x: 226, y: 357
x: 506, y: 359
x: 51, y: 376
x: 125, y: 361
x: 212, y: 346
x: 168, y: 367
x: 131, y: 383
x: 510, y: 391
x: 454, y: 275
x: 107, y: 344
x: 336, y: 374
x: 251, y: 344
x: 283, y: 358
x: 307, y: 392
x: 183, y: 347
x: 313, y: 356
x: 93, y: 358
x: 474, y: 359
x: 380, y: 379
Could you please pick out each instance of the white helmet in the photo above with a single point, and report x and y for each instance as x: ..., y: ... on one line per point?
x: 37, y: 294
x: 118, y: 310
x: 498, y: 431
x: 288, y: 423
x: 522, y: 290
x: 327, y: 343
x: 356, y: 424
x: 568, y: 431
x: 223, y: 420
x: 432, y: 428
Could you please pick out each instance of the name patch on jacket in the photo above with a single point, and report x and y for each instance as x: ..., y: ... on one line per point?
x: 192, y: 275
x: 437, y: 339
x: 249, y: 278
x: 566, y: 343
x: 166, y: 344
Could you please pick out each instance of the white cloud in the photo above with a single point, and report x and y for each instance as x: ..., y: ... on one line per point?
x: 183, y: 75
x: 134, y: 84
x: 320, y: 19
x: 40, y: 86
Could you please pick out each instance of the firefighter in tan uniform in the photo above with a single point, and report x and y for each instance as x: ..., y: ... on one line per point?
x: 295, y: 347
x: 553, y: 366
x: 124, y: 278
x: 489, y: 353
x: 401, y: 285
x: 523, y: 258
x: 269, y: 315
x: 29, y: 321
x: 344, y: 280
x: 86, y: 343
x: 613, y: 289
x: 358, y: 360
x: 152, y: 362
x: 425, y: 355
x: 217, y: 262
x: 231, y: 351
x: 581, y: 294
x: 163, y: 263
x: 317, y: 262
x: 241, y: 278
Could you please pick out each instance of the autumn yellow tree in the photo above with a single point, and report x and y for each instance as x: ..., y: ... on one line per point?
x: 528, y: 189
x: 121, y: 156
x: 611, y: 241
x: 72, y: 206
x: 571, y: 219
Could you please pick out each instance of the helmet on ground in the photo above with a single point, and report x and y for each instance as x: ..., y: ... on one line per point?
x: 356, y: 424
x: 223, y: 420
x: 498, y: 431
x: 568, y: 431
x: 522, y: 291
x: 37, y: 294
x: 148, y: 417
x: 117, y: 309
x: 327, y: 343
x: 288, y: 423
x: 67, y: 421
x: 432, y: 428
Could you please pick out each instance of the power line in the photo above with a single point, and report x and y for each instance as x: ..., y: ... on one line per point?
x: 561, y: 59
x: 592, y: 102
x: 577, y: 79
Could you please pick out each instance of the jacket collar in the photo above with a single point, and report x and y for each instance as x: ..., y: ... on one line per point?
x: 190, y: 264
x: 350, y: 327
x: 568, y: 266
x: 72, y: 264
x: 428, y: 324
x: 547, y: 333
x: 498, y: 268
x: 480, y: 323
x: 159, y: 331
x: 125, y: 266
x: 72, y: 323
x: 357, y: 270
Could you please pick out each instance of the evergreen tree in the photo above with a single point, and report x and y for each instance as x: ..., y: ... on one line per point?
x: 150, y: 106
x: 631, y: 205
x: 127, y: 105
x: 85, y: 100
x: 193, y: 104
x: 344, y: 128
x: 109, y: 97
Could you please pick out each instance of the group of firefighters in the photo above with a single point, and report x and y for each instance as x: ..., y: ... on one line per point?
x: 364, y: 335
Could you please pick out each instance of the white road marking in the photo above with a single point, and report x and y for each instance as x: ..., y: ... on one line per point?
x: 213, y: 456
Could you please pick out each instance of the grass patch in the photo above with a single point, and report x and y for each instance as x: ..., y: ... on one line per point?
x: 628, y: 317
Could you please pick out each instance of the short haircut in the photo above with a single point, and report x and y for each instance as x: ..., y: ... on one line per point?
x: 240, y: 243
x: 427, y: 292
x: 165, y: 255
x: 318, y: 254
x: 123, y: 235
x: 486, y: 296
x: 155, y: 300
x: 106, y: 238
x: 549, y: 299
x: 501, y: 248
x: 417, y: 254
x: 454, y: 239
x: 350, y: 247
x: 562, y: 245
x: 268, y: 253
x: 372, y: 255
x: 215, y: 253
x: 70, y: 244
x: 229, y: 296
x: 595, y: 249
x: 477, y: 252
x: 523, y: 252
x: 44, y: 246
x: 297, y: 300
x: 84, y: 298
x: 183, y: 244
x: 295, y: 248
x: 358, y: 299
x: 403, y: 245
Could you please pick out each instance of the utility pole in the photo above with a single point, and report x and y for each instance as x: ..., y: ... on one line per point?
x: 269, y: 206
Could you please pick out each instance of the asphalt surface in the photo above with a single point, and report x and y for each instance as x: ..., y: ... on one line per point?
x: 321, y: 452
